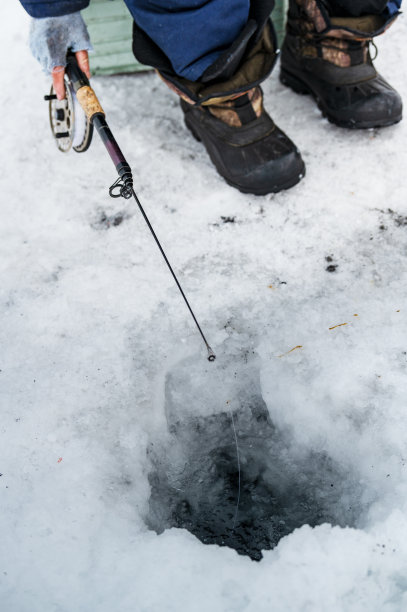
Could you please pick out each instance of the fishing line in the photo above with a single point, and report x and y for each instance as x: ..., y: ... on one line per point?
x: 238, y: 468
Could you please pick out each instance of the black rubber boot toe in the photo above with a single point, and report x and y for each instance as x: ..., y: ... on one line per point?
x: 345, y: 99
x: 256, y: 157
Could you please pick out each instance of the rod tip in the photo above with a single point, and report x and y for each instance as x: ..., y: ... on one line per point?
x: 211, y: 354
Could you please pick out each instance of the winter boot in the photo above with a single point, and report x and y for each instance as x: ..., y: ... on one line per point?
x: 224, y: 109
x: 328, y: 57
x: 246, y: 147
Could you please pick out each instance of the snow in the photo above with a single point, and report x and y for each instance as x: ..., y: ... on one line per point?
x: 100, y: 357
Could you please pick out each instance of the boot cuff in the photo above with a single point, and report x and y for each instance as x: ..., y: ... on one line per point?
x: 254, y: 67
x: 357, y: 28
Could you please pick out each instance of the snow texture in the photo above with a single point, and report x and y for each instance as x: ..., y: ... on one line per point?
x: 100, y: 360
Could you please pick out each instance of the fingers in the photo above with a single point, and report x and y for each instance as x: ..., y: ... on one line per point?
x: 59, y: 71
x: 58, y: 81
x: 83, y: 62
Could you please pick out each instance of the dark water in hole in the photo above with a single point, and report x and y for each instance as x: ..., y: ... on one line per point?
x: 194, y: 482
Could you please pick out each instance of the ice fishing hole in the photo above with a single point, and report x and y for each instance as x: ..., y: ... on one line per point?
x: 194, y: 482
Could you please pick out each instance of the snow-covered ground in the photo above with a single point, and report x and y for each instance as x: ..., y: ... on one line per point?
x: 100, y: 362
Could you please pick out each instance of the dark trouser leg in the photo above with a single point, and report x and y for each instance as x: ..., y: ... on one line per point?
x: 328, y: 56
x: 223, y: 108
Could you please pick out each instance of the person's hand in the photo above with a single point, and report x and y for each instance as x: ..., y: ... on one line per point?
x: 58, y: 73
x: 50, y: 39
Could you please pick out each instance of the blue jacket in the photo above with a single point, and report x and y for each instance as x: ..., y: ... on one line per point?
x: 53, y: 8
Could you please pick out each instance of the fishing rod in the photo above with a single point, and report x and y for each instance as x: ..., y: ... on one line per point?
x: 72, y: 122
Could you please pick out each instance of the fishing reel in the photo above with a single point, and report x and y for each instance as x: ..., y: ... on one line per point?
x: 70, y: 126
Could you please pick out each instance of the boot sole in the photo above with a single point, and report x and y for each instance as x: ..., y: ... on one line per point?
x: 242, y: 189
x: 296, y: 84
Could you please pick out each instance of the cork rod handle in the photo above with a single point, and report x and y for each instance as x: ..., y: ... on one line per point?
x: 89, y: 102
